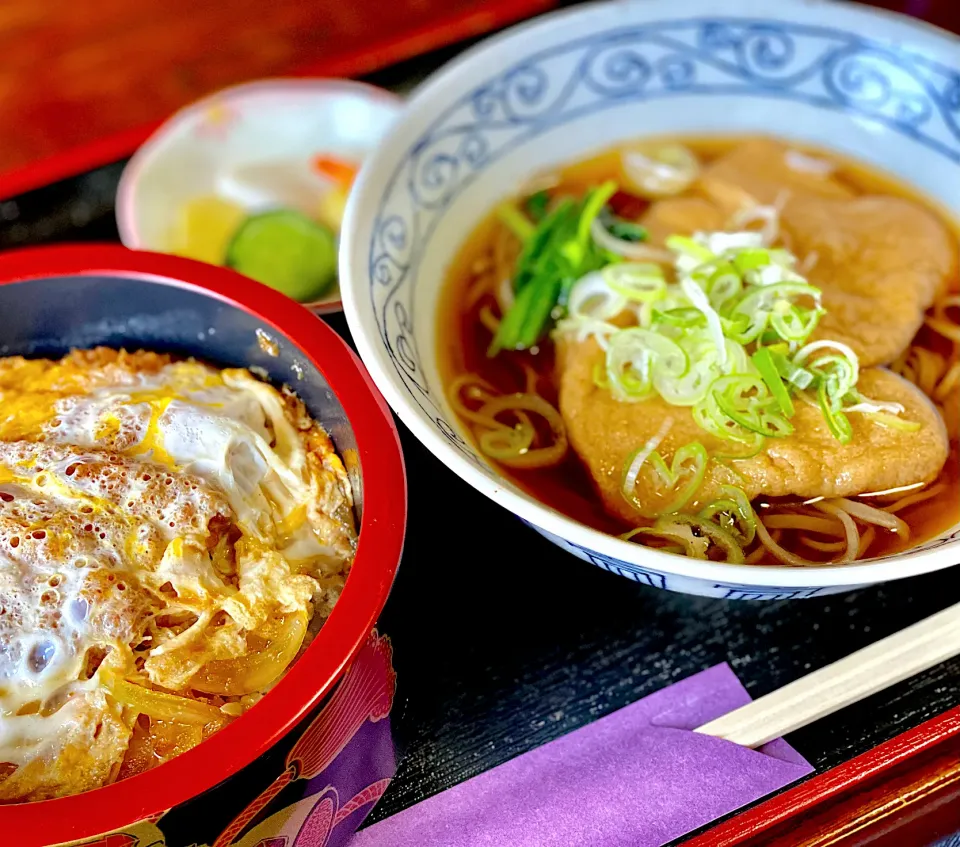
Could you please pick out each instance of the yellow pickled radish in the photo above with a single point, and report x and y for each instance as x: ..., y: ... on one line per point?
x: 332, y: 205
x: 205, y: 227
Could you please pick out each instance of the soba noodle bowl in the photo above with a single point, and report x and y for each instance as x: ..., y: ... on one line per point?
x: 734, y: 351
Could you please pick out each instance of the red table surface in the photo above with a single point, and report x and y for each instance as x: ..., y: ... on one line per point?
x: 83, y: 84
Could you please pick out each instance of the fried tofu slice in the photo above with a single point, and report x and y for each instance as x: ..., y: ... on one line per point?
x: 879, y: 260
x: 761, y: 172
x: 604, y: 432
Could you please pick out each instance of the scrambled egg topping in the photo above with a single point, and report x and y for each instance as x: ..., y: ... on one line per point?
x: 171, y: 535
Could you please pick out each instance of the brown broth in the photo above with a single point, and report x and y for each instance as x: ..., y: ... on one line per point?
x: 567, y: 487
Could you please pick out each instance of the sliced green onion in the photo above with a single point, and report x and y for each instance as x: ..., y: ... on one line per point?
x: 837, y: 422
x: 838, y: 374
x: 629, y: 373
x: 734, y: 513
x: 794, y: 374
x: 734, y: 326
x: 661, y: 171
x: 718, y: 536
x: 704, y: 368
x: 515, y: 221
x: 696, y: 535
x: 694, y: 457
x: 692, y: 546
x: 635, y: 461
x: 764, y: 363
x: 591, y: 297
x: 782, y: 257
x: 580, y: 329
x: 760, y: 302
x: 794, y: 323
x: 746, y: 401
x: 751, y: 258
x: 708, y: 416
x: 767, y: 425
x: 767, y: 266
x: 894, y: 422
x: 729, y: 244
x: 637, y: 358
x: 688, y: 247
x: 508, y: 442
x: 867, y: 404
x: 697, y: 296
x: 723, y: 285
x: 689, y: 389
x: 682, y: 478
x: 751, y: 447
x: 640, y: 281
x: 804, y: 353
x: 684, y: 317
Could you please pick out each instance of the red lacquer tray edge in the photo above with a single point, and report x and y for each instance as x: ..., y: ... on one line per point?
x: 909, y: 784
x: 378, y: 54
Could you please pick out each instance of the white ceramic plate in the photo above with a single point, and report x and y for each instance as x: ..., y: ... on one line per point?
x: 201, y: 148
x: 874, y: 85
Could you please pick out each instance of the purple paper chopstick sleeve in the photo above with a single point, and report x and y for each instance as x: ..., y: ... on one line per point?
x: 636, y: 778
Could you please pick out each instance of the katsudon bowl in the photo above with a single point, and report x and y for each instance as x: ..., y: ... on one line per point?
x: 837, y: 77
x: 307, y: 762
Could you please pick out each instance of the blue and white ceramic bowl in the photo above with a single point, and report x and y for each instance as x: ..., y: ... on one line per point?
x: 874, y: 85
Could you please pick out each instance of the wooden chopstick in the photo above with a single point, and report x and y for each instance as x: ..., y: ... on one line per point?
x: 880, y: 665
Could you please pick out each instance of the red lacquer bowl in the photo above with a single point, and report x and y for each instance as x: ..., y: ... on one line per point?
x: 55, y: 298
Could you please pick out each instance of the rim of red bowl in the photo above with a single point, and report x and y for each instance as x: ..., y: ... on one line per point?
x: 382, y: 526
